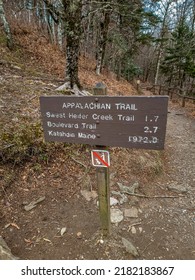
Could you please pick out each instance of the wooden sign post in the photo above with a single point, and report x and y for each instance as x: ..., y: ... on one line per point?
x: 137, y: 122
x: 103, y: 183
x: 103, y: 180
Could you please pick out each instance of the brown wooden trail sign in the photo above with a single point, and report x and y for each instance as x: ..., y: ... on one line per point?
x: 131, y: 122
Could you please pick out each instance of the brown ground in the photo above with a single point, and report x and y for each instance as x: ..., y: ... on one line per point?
x: 164, y: 228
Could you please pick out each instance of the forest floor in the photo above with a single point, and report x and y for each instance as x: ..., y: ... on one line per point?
x: 59, y: 181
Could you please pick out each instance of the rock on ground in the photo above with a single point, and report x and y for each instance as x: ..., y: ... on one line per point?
x: 116, y: 216
x: 5, y: 252
x: 130, y: 248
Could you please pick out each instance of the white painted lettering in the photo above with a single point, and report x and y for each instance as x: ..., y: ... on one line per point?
x: 89, y: 106
x: 88, y: 126
x: 55, y: 115
x: 124, y: 106
x: 143, y: 139
x: 126, y: 118
x: 102, y: 117
x: 61, y: 134
x: 77, y: 116
x: 64, y: 125
x: 86, y: 135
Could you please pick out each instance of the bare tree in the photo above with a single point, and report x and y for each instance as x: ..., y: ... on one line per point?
x: 104, y: 21
x: 163, y: 32
x: 6, y: 26
x: 70, y: 13
x: 72, y: 10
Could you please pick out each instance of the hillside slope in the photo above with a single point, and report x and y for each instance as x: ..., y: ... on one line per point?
x: 34, y: 52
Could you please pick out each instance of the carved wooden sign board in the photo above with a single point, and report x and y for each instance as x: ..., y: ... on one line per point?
x: 131, y: 122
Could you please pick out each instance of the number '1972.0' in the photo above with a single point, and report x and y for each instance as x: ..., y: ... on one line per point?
x: 145, y: 139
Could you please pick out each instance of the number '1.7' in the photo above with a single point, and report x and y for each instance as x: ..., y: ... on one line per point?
x: 151, y: 118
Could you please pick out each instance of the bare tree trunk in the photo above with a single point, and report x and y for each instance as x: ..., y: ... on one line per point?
x: 193, y: 18
x: 160, y: 52
x: 89, y: 32
x: 72, y: 17
x: 118, y: 69
x: 73, y: 11
x: 60, y: 35
x: 6, y: 26
x: 102, y: 41
x: 72, y: 59
x: 161, y: 46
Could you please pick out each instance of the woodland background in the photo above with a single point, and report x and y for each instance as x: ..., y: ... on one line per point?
x: 153, y: 41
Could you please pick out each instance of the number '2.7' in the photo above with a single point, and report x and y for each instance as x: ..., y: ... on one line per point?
x: 152, y: 129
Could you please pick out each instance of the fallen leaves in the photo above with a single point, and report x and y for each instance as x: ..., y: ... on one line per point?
x: 47, y: 240
x: 37, y: 240
x: 62, y: 231
x: 12, y: 225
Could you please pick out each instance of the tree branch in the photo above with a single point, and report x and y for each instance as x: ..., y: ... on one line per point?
x: 55, y: 14
x: 155, y: 196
